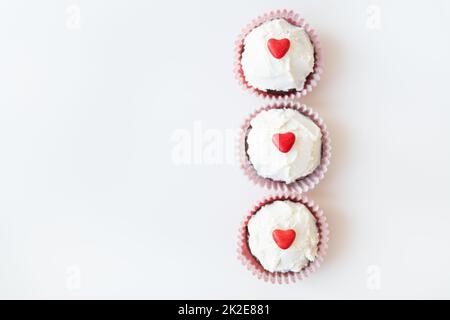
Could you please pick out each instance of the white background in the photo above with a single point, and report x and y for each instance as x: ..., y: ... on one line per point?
x: 94, y: 205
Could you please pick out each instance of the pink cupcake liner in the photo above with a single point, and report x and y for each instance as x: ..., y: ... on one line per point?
x: 296, y: 20
x: 300, y: 185
x: 252, y: 264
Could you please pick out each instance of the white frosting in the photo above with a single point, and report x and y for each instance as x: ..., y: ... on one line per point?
x: 263, y: 71
x: 283, y: 214
x: 304, y: 156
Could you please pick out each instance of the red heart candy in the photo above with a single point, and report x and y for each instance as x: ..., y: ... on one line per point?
x: 283, y: 238
x: 284, y: 141
x: 278, y: 47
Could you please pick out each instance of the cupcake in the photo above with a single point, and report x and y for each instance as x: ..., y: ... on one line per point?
x: 285, y: 146
x: 278, y: 56
x: 284, y: 237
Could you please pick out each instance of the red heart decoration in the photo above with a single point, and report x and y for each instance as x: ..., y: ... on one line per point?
x: 284, y: 141
x: 283, y: 238
x: 278, y: 47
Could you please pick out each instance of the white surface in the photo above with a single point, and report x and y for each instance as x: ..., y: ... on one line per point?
x: 93, y: 206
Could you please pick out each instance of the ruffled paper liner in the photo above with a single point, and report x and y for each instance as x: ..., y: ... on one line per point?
x: 252, y: 264
x: 302, y: 184
x: 295, y: 19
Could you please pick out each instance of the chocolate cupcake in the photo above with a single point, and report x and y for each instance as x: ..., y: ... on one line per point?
x: 278, y: 56
x: 284, y: 237
x: 285, y: 146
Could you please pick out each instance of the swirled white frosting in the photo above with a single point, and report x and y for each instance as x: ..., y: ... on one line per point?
x: 263, y: 71
x: 304, y: 156
x: 283, y: 214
